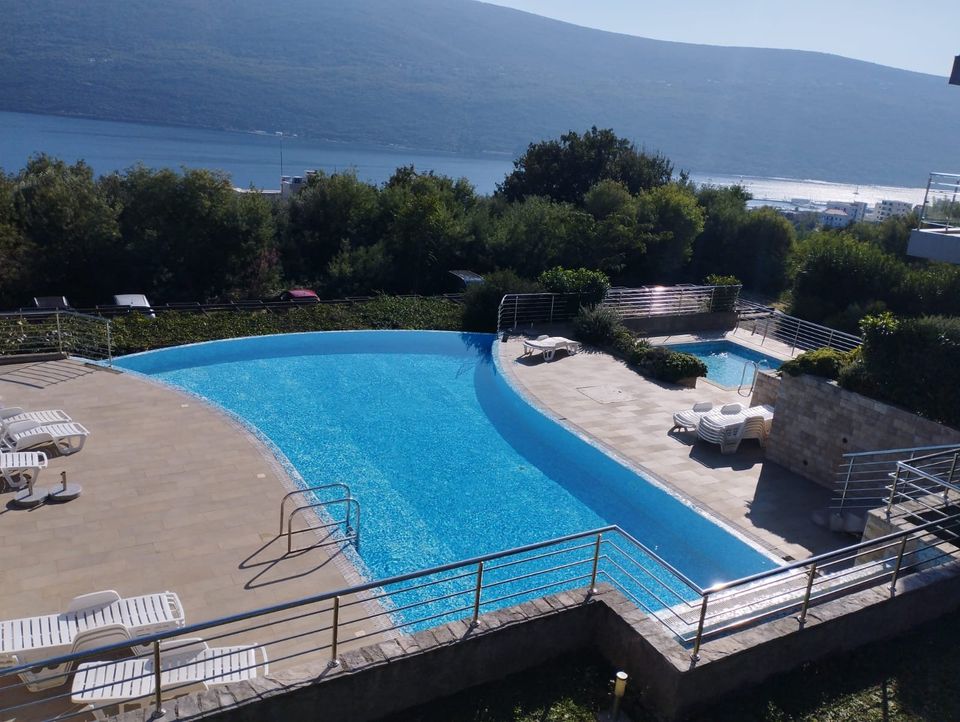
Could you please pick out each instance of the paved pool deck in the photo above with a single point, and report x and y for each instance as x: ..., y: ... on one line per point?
x: 601, y: 398
x: 176, y: 496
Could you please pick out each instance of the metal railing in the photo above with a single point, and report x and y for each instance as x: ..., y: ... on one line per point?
x: 350, y: 521
x: 110, y: 310
x: 526, y: 309
x: 799, y: 335
x: 671, y: 300
x: 320, y: 625
x: 864, y: 478
x: 56, y: 332
x: 941, y: 204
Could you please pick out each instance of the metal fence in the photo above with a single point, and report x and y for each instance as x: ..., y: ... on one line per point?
x: 318, y: 627
x: 67, y: 333
x: 110, y: 310
x: 527, y: 309
x: 798, y: 334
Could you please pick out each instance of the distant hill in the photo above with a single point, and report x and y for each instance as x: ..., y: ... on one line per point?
x: 466, y: 76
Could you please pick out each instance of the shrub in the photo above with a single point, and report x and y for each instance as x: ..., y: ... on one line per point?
x: 826, y: 362
x: 137, y: 332
x: 664, y: 364
x: 624, y: 343
x: 717, y: 280
x: 911, y: 362
x: 482, y: 300
x: 598, y: 325
x: 592, y: 284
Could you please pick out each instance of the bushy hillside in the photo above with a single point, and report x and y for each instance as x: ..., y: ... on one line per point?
x: 465, y: 76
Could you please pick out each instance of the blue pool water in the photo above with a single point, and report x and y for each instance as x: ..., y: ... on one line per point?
x: 447, y: 461
x: 725, y: 360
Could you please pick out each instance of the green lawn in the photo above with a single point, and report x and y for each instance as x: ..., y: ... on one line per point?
x: 914, y: 677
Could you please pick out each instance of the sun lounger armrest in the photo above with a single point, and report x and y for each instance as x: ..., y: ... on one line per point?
x: 176, y: 608
x: 17, y: 427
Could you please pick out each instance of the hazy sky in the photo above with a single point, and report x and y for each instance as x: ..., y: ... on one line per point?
x: 922, y: 36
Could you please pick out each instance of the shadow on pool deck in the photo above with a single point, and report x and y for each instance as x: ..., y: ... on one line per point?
x: 761, y: 499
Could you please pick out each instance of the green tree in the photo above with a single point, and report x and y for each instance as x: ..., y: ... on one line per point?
x: 566, y: 169
x: 670, y: 220
x: 64, y: 218
x: 332, y: 210
x: 725, y: 212
x: 762, y: 249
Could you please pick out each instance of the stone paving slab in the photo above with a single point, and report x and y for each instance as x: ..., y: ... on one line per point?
x: 762, y: 500
x: 176, y: 496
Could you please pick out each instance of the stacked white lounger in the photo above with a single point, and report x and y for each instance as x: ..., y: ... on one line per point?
x: 728, y: 430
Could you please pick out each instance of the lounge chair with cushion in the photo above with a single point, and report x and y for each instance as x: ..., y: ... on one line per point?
x: 32, y: 639
x: 68, y: 438
x: 186, y: 665
x: 549, y: 345
x: 729, y: 430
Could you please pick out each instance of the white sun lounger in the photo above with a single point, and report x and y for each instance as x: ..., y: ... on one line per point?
x: 186, y: 665
x: 19, y: 468
x: 32, y: 639
x: 549, y: 345
x: 729, y: 430
x: 69, y: 438
x: 48, y: 416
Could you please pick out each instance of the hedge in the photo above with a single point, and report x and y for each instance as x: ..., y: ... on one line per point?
x: 136, y: 332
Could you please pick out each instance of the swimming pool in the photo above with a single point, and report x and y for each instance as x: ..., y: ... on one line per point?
x: 447, y: 461
x: 725, y: 360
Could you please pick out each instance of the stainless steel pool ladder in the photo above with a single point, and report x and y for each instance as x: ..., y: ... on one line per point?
x: 351, y: 522
x: 755, y: 365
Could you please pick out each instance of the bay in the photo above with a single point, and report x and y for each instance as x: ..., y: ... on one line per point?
x: 255, y: 159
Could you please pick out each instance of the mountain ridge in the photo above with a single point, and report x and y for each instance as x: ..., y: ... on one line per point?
x: 464, y: 76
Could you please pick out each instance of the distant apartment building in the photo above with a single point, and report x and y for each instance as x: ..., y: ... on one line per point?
x: 891, y: 209
x: 855, y: 210
x: 835, y: 218
x: 290, y: 184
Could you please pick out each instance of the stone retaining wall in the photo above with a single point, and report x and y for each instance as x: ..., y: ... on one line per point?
x: 816, y: 422
x: 766, y: 389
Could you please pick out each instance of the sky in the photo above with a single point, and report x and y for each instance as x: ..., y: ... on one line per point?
x: 921, y: 36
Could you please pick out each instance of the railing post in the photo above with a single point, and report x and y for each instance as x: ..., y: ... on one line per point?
x: 476, y: 596
x: 806, y: 597
x: 59, y: 331
x: 796, y: 337
x: 109, y: 346
x: 553, y: 298
x: 516, y: 306
x: 896, y: 569
x: 846, y: 483
x: 703, y: 617
x: 893, y: 490
x: 830, y: 338
x: 335, y: 630
x: 157, y: 689
x: 596, y: 563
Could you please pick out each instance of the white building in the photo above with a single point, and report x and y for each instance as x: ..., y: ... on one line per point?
x: 856, y: 210
x: 891, y: 209
x: 835, y: 218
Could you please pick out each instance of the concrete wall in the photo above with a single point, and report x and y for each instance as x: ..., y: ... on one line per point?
x: 816, y: 422
x: 668, y: 325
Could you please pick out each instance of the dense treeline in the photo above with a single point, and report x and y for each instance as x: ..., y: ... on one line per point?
x: 590, y: 200
x: 585, y: 200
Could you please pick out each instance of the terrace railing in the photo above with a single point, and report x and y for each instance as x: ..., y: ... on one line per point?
x: 864, y: 480
x: 526, y: 309
x: 800, y: 335
x: 316, y: 627
x: 66, y: 333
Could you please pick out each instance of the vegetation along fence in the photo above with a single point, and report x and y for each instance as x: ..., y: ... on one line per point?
x: 66, y: 333
x: 526, y: 309
x: 316, y: 628
x: 799, y: 335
